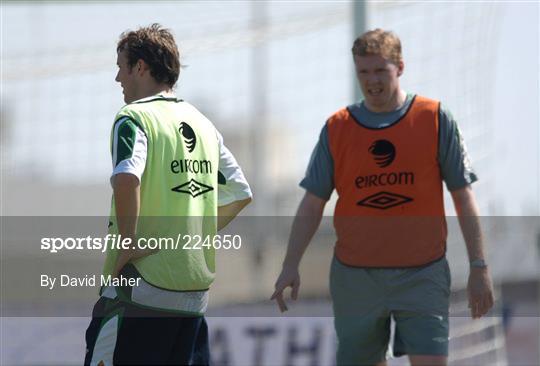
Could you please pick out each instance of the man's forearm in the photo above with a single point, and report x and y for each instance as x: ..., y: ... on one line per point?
x: 126, y: 199
x: 479, y: 285
x: 469, y: 221
x: 228, y: 212
x: 305, y: 224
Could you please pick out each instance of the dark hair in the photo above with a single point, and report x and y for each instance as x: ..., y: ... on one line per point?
x: 155, y: 46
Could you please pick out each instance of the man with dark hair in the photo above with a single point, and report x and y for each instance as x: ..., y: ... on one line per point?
x: 157, y: 47
x: 387, y: 157
x: 171, y: 175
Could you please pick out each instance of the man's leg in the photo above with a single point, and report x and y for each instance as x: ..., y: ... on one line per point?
x: 191, y: 344
x: 361, y: 320
x: 362, y: 340
x: 426, y: 360
x: 420, y: 309
x: 150, y: 337
x: 145, y: 341
x: 102, y: 332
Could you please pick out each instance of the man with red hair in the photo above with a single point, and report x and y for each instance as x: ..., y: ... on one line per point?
x: 387, y: 157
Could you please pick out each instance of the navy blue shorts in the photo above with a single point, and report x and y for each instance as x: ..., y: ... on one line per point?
x: 122, y: 333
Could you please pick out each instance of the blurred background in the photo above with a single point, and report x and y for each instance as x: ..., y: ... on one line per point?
x: 269, y: 74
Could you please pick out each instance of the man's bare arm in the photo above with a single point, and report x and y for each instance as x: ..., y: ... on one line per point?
x: 228, y: 212
x: 305, y: 224
x: 480, y: 288
x: 126, y: 188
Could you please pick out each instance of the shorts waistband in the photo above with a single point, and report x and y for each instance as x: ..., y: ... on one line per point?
x: 145, y: 294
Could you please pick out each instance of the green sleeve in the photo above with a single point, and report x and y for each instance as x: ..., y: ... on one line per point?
x: 319, y: 178
x: 454, y: 162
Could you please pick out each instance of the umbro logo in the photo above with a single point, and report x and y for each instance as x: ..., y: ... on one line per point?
x: 189, y: 136
x: 383, y: 152
x: 193, y: 188
x: 384, y: 200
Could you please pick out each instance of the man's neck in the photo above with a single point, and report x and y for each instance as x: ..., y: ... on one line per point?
x: 161, y: 89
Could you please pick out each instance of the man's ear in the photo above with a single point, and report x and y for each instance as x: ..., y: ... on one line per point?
x: 141, y: 66
x: 401, y: 67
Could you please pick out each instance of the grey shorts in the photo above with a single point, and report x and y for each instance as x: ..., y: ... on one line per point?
x: 365, y: 299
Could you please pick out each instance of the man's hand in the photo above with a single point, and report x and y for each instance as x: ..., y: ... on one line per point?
x: 480, y: 291
x: 306, y: 222
x: 125, y: 256
x: 289, y: 277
